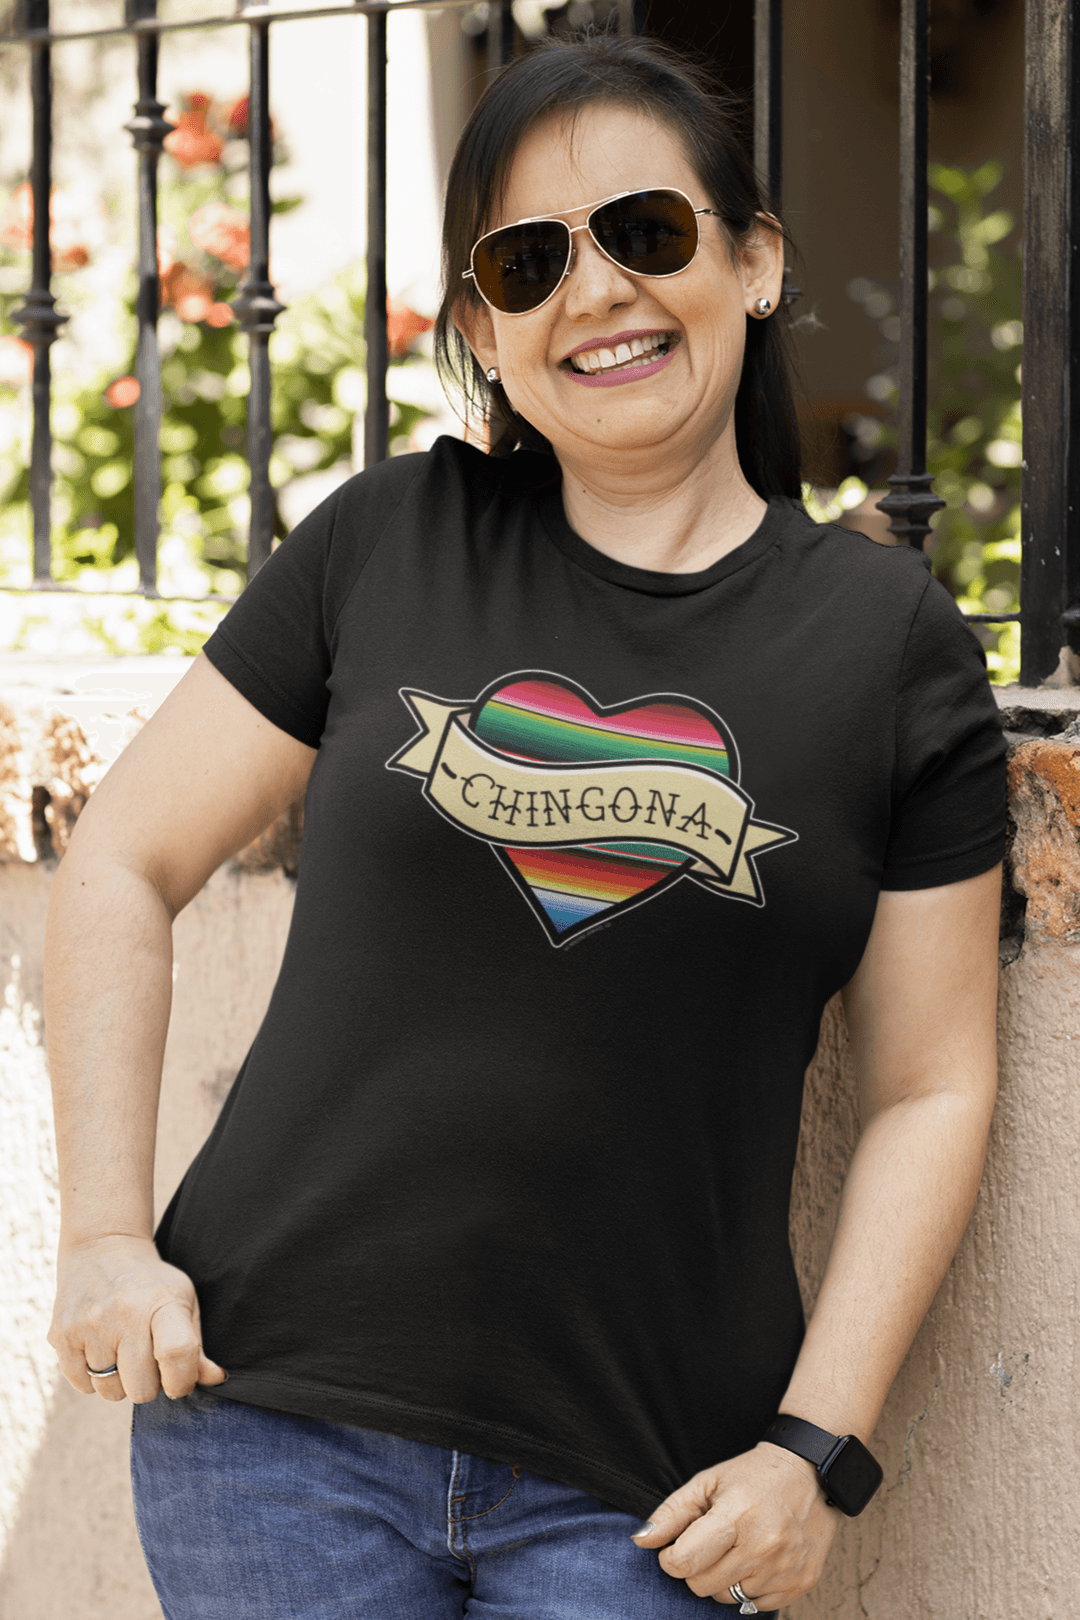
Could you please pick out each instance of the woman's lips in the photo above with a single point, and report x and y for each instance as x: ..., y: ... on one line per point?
x: 628, y: 374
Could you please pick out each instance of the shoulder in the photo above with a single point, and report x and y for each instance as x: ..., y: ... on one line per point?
x: 852, y: 555
x: 870, y: 583
x: 450, y: 471
x: 879, y: 598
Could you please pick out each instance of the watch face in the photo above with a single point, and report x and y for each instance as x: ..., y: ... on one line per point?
x: 851, y: 1476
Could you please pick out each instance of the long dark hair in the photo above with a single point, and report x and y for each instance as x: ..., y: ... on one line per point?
x: 568, y: 75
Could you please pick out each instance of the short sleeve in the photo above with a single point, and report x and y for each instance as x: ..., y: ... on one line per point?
x: 948, y: 809
x: 275, y: 643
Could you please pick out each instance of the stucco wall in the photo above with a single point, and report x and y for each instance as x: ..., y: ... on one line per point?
x: 980, y: 1440
x: 65, y: 1500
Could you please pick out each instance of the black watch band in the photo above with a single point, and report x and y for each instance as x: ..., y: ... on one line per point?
x: 849, y: 1475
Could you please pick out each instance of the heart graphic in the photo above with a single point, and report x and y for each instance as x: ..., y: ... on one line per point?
x: 534, y: 764
x: 543, y: 720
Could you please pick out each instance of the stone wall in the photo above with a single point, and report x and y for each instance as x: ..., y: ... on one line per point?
x: 980, y: 1439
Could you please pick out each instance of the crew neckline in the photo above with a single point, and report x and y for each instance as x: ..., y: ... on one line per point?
x: 651, y: 581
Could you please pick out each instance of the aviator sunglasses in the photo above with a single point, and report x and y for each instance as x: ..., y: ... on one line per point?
x: 519, y: 267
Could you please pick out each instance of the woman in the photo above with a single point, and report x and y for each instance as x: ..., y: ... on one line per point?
x: 617, y: 768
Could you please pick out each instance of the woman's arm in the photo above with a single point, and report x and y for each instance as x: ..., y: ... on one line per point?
x: 204, y: 776
x: 921, y: 1013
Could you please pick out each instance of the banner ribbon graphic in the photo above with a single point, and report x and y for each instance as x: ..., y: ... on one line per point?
x: 509, y: 801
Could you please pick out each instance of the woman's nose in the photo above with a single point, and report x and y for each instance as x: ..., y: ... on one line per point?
x: 594, y: 283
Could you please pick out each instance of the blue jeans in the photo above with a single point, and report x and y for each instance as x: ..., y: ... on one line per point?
x: 252, y: 1515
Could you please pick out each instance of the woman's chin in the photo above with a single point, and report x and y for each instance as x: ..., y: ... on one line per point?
x: 632, y: 433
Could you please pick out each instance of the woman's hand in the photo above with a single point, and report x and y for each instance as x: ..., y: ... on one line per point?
x: 119, y: 1304
x: 759, y: 1520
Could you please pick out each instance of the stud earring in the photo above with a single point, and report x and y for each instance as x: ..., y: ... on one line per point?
x: 493, y: 375
x: 762, y: 306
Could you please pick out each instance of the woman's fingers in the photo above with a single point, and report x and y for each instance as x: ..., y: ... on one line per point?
x: 678, y: 1511
x: 120, y: 1305
x: 176, y: 1347
x: 711, y: 1555
x: 747, y: 1522
x: 166, y: 1356
x: 72, y: 1364
x: 99, y: 1358
x: 210, y: 1372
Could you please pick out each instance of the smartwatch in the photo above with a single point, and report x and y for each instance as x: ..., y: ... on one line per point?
x: 848, y: 1474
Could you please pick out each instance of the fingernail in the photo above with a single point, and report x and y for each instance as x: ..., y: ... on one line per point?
x: 645, y: 1529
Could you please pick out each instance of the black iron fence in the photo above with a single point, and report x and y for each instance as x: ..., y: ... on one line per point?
x: 1050, y: 565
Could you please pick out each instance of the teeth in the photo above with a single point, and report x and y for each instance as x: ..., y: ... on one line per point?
x: 605, y: 359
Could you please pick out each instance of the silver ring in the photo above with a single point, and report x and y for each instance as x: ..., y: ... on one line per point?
x: 106, y: 1372
x: 746, y: 1605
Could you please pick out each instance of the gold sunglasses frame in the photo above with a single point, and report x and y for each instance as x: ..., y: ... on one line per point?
x: 571, y: 258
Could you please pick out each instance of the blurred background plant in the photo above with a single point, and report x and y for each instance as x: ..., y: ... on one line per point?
x: 974, y: 447
x: 317, y: 357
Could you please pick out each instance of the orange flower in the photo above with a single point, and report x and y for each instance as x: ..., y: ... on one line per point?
x: 403, y: 327
x: 16, y: 362
x: 190, y: 294
x: 68, y: 225
x: 237, y: 117
x: 191, y: 143
x: 68, y: 254
x: 217, y: 229
x: 17, y: 225
x: 122, y: 391
x: 220, y: 315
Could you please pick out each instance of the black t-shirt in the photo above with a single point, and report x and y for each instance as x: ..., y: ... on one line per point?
x: 586, y: 850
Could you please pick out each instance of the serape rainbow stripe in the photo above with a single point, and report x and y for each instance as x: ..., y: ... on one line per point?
x: 544, y: 721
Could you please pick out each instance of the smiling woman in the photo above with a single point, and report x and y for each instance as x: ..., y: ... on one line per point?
x: 649, y: 272
x: 660, y: 100
x: 490, y: 1239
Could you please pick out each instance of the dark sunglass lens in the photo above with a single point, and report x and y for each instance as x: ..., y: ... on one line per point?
x: 516, y: 269
x: 653, y: 233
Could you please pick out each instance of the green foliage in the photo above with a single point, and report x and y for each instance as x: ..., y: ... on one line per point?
x: 317, y: 361
x: 974, y: 438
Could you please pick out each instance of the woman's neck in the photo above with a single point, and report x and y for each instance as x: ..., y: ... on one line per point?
x: 656, y: 513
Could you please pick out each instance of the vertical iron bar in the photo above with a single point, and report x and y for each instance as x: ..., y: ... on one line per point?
x: 37, y: 313
x: 506, y: 32
x: 769, y: 112
x: 912, y: 501
x: 256, y: 305
x: 148, y: 130
x: 500, y: 35
x: 377, y: 412
x: 768, y: 97
x: 1050, y: 500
